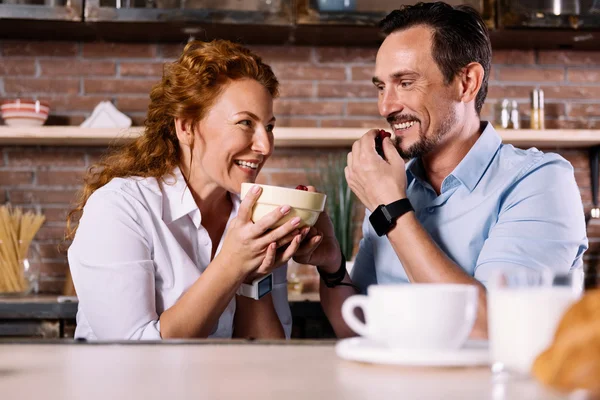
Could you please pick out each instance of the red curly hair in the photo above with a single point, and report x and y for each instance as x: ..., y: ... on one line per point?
x: 189, y: 87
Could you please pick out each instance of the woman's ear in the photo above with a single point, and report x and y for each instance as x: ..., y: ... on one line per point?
x: 185, y: 131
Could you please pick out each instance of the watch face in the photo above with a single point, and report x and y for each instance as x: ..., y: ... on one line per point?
x: 265, y: 286
x: 379, y: 222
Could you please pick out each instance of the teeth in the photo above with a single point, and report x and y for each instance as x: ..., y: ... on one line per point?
x: 404, y: 125
x: 246, y: 164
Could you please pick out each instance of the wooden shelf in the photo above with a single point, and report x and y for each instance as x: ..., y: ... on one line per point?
x: 284, y: 137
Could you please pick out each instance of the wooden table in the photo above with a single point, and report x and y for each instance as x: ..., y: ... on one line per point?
x: 232, y: 370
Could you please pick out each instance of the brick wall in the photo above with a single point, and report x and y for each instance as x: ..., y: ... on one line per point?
x: 321, y: 87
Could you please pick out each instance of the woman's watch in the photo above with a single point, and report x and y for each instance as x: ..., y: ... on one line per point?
x: 384, y: 217
x: 258, y: 288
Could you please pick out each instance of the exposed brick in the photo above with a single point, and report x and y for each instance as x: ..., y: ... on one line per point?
x: 263, y: 178
x: 510, y: 92
x: 309, y: 72
x: 275, y: 54
x: 513, y: 57
x: 56, y: 157
x: 577, y: 158
x: 585, y: 110
x: 74, y: 102
x: 296, y: 89
x: 522, y: 74
x: 297, y: 158
x: 94, y: 155
x: 346, y: 54
x: 41, y: 85
x: 363, y: 108
x: 363, y: 73
x: 571, y: 92
x: 551, y: 110
x: 16, y: 177
x: 347, y: 90
x: 591, y: 58
x: 296, y: 122
x: 51, y: 250
x: 127, y: 104
x: 289, y: 178
x: 583, y: 75
x: 137, y: 119
x: 60, y: 178
x: 2, y: 196
x: 354, y: 123
x: 570, y: 124
x: 171, y: 51
x: 42, y: 196
x: 53, y: 269
x: 62, y: 120
x: 298, y: 107
x: 488, y: 111
x: 41, y: 48
x: 51, y: 232
x: 118, y: 50
x: 119, y: 85
x: 17, y: 67
x: 141, y: 69
x: 51, y: 286
x: 70, y: 67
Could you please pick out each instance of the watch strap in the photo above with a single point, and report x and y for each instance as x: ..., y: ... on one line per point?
x: 398, y: 208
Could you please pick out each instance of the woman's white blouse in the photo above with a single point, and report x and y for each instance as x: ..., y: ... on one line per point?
x: 139, y: 246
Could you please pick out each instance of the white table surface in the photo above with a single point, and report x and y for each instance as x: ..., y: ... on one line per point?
x: 230, y: 370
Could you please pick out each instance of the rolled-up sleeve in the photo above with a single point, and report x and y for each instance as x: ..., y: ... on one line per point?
x: 363, y: 272
x: 540, y: 225
x: 113, y: 272
x: 280, y: 299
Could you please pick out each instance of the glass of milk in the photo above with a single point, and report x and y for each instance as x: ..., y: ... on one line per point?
x: 524, y: 309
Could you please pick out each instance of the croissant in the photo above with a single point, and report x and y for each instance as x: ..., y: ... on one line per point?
x: 573, y: 359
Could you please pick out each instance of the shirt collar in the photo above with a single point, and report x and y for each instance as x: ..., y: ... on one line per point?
x: 472, y: 167
x: 179, y: 202
x: 177, y: 198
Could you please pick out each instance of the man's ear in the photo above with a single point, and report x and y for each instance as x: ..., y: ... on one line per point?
x: 185, y: 131
x: 471, y: 80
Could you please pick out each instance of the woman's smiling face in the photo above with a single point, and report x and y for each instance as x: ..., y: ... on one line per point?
x: 235, y: 138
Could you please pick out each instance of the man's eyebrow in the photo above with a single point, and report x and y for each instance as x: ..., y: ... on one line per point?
x: 395, y: 76
x: 403, y: 73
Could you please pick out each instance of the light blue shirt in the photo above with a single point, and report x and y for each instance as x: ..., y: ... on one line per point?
x: 500, y: 207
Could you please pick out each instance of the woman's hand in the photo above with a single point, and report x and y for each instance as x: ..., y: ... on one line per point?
x: 252, y: 247
x: 320, y: 246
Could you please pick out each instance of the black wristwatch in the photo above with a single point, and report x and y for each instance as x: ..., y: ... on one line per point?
x: 383, y: 219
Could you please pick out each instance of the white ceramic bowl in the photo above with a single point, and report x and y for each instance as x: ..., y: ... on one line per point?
x: 23, y: 112
x: 306, y: 205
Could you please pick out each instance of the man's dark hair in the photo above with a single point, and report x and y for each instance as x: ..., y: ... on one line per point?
x: 459, y: 37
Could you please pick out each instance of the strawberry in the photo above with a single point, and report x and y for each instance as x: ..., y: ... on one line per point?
x: 379, y: 141
x: 302, y: 187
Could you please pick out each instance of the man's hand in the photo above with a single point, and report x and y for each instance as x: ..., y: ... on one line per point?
x: 319, y: 246
x: 374, y: 180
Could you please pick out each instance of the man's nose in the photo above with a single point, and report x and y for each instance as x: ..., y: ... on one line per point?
x: 390, y: 103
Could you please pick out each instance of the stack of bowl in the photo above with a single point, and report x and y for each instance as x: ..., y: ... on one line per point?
x: 22, y: 112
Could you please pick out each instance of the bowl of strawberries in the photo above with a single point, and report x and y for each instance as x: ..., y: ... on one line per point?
x: 306, y: 205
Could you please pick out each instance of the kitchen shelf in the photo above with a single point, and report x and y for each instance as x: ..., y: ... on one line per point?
x: 284, y: 136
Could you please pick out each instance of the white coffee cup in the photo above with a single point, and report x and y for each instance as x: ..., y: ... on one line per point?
x: 416, y: 316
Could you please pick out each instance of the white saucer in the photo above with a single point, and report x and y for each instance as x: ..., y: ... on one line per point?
x: 474, y: 353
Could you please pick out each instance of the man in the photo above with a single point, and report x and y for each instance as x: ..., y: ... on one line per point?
x: 478, y: 204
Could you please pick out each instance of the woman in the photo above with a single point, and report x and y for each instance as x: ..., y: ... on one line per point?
x: 163, y: 242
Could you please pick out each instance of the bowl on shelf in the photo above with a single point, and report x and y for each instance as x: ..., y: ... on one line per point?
x: 24, y: 112
x: 306, y: 205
